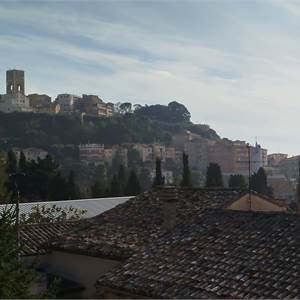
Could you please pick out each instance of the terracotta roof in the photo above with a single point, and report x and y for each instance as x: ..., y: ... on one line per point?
x: 34, y: 237
x: 220, y: 254
x: 121, y: 231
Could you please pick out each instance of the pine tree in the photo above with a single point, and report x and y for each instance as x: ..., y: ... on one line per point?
x: 133, y: 187
x: 186, y: 174
x: 214, y: 176
x: 158, y: 179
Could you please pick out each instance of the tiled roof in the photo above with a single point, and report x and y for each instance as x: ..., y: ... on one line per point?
x: 121, y: 231
x: 34, y: 237
x: 220, y: 254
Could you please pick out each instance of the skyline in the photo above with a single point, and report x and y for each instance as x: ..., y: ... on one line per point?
x: 234, y: 65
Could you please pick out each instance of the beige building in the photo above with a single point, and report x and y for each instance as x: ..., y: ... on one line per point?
x: 67, y: 102
x: 14, y: 99
x: 92, y: 105
x: 40, y: 103
x: 92, y: 153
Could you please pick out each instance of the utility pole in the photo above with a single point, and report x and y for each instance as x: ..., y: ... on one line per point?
x: 249, y: 174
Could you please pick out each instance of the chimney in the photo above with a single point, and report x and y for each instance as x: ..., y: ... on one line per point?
x: 169, y: 197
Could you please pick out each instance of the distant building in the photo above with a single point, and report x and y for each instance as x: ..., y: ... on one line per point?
x: 275, y: 158
x: 31, y: 154
x: 67, y: 102
x: 92, y: 105
x: 92, y: 153
x: 40, y: 103
x: 14, y: 99
x: 145, y: 151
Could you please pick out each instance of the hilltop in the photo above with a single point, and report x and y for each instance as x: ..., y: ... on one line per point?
x: 143, y: 124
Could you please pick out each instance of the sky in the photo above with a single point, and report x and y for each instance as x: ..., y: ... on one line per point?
x: 234, y: 64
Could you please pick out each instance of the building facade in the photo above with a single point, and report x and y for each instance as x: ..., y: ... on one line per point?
x: 14, y: 99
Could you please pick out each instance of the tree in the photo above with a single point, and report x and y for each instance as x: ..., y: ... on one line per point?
x: 186, y: 174
x: 11, y: 167
x: 133, y: 187
x: 158, y: 179
x: 134, y: 157
x: 3, y: 179
x: 258, y: 183
x: 237, y: 181
x: 72, y: 189
x: 15, y: 279
x: 57, y: 188
x: 125, y: 107
x: 115, y: 187
x: 97, y: 190
x: 122, y: 179
x: 43, y: 214
x: 214, y: 176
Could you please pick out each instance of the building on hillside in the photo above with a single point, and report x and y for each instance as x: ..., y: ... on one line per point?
x: 282, y: 187
x: 99, y: 244
x: 259, y: 158
x: 159, y: 151
x: 197, y: 150
x: 40, y: 103
x: 91, y: 153
x: 121, y: 154
x: 31, y: 154
x: 93, y: 106
x: 171, y: 153
x: 14, y: 99
x: 233, y: 156
x: 275, y: 158
x: 145, y: 151
x: 67, y: 102
x: 220, y: 254
x: 290, y: 167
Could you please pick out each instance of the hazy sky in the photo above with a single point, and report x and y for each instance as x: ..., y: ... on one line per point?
x: 234, y: 64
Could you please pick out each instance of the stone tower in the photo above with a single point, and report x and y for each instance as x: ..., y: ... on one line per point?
x: 15, y: 82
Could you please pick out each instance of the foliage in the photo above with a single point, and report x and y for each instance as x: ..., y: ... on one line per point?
x: 214, y: 176
x: 3, y: 179
x: 173, y: 112
x: 43, y: 214
x: 237, y: 181
x: 146, y: 124
x: 115, y: 187
x: 158, y: 179
x: 133, y: 187
x: 258, y: 183
x: 186, y: 174
x: 15, y: 280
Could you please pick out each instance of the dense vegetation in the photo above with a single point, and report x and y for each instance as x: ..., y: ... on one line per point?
x: 145, y: 124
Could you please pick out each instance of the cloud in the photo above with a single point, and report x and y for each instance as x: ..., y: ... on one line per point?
x: 244, y: 85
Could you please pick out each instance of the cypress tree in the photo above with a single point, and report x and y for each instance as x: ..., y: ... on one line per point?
x: 186, y: 174
x: 133, y: 187
x: 158, y: 179
x: 114, y: 187
x: 122, y: 179
x: 73, y: 191
x: 237, y: 181
x: 214, y: 176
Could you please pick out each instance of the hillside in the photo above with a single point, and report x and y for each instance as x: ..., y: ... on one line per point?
x: 145, y: 124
